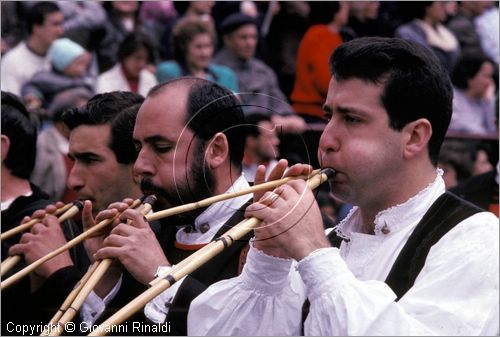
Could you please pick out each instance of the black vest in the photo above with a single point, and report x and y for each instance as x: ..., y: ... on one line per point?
x: 444, y: 214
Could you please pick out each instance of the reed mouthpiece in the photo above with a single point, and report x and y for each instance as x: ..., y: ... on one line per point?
x: 330, y: 173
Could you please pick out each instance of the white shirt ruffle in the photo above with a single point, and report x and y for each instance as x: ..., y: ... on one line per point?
x: 456, y: 293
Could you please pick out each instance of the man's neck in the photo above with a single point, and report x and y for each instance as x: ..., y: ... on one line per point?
x: 37, y: 46
x: 225, y: 178
x: 13, y: 187
x: 395, y: 195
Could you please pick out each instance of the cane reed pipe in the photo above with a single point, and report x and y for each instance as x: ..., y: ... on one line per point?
x: 68, y: 245
x: 159, y: 215
x: 69, y: 212
x: 196, y: 260
x: 101, y: 267
x: 25, y: 226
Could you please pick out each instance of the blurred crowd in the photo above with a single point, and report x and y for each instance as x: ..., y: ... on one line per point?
x: 274, y: 54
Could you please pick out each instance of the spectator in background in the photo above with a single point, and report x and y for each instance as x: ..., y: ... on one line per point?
x: 427, y: 29
x: 481, y: 160
x: 285, y: 33
x: 261, y: 145
x: 83, y: 20
x: 257, y: 82
x: 462, y: 25
x: 473, y: 99
x: 131, y: 72
x: 122, y: 18
x: 487, y: 26
x: 481, y: 190
x: 30, y: 56
x: 156, y: 17
x: 193, y: 9
x: 70, y: 63
x: 52, y: 165
x: 12, y: 29
x: 364, y: 20
x: 455, y: 161
x: 193, y: 43
x: 313, y: 75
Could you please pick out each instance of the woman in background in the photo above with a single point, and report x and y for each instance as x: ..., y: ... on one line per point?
x: 131, y: 73
x: 193, y: 43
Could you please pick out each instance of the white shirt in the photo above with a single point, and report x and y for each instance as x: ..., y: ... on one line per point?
x: 456, y: 292
x: 114, y: 80
x: 216, y: 215
x: 487, y: 26
x: 18, y: 67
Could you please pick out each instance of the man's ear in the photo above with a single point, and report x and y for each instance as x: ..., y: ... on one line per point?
x: 416, y: 136
x: 217, y: 151
x: 5, y: 147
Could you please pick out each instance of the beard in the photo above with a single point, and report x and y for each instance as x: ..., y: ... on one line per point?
x: 198, y: 184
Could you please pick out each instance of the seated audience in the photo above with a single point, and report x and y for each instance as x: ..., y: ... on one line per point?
x: 427, y: 29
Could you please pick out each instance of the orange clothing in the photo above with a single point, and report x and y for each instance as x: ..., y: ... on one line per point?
x: 312, y: 71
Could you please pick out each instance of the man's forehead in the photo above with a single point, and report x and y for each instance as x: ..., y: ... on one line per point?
x: 90, y: 135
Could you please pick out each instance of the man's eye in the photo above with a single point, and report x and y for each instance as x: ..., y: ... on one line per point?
x: 350, y: 119
x: 162, y: 148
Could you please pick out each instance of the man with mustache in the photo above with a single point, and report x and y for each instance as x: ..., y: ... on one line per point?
x: 412, y: 259
x: 189, y: 135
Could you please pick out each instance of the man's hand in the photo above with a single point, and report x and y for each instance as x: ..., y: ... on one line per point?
x: 44, y: 237
x: 135, y: 246
x: 96, y: 241
x: 291, y: 221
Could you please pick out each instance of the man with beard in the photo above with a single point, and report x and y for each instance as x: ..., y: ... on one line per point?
x: 190, y: 140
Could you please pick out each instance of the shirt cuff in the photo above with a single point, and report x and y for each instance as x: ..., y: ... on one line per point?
x: 264, y: 273
x: 157, y: 309
x: 323, y: 270
x: 94, y: 306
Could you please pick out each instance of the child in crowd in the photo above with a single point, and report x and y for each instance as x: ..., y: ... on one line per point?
x: 70, y: 63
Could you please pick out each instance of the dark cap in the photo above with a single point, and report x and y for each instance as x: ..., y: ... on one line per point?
x: 235, y: 21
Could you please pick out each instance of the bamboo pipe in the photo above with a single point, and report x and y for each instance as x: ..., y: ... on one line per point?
x: 221, y: 197
x: 159, y: 215
x: 100, y: 269
x: 67, y: 302
x: 68, y: 245
x: 29, y: 224
x: 196, y: 260
x: 69, y: 212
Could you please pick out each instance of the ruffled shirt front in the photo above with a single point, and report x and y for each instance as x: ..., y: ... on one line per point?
x: 456, y: 293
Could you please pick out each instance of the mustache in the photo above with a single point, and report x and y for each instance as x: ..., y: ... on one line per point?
x: 147, y: 187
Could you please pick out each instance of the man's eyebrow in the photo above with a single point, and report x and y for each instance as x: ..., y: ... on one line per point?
x: 83, y: 155
x: 157, y: 138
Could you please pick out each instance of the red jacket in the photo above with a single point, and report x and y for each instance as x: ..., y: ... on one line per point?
x: 313, y: 72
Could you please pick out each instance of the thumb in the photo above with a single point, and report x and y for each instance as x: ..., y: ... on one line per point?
x: 87, y: 217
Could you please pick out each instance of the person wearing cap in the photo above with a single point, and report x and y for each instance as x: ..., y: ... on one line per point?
x: 70, y: 63
x: 44, y: 21
x: 257, y: 82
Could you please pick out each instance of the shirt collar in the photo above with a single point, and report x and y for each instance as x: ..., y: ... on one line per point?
x: 396, y: 217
